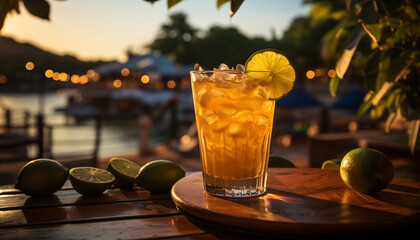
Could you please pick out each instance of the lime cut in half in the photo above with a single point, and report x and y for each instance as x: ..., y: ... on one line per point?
x: 273, y: 70
x: 124, y: 170
x: 332, y: 164
x: 90, y: 181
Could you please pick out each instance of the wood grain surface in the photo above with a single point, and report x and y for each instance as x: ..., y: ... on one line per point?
x: 304, y: 200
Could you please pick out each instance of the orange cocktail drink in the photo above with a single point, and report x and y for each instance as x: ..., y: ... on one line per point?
x: 234, y: 123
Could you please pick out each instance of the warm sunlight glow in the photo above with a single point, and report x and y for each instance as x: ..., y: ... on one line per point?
x: 125, y: 72
x: 310, y: 74
x: 117, y: 83
x: 29, y: 66
x: 145, y: 79
x: 49, y: 73
x: 171, y: 84
x: 331, y: 73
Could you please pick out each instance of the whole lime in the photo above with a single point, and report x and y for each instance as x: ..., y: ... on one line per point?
x: 366, y: 170
x: 41, y: 177
x: 279, y: 162
x: 159, y: 176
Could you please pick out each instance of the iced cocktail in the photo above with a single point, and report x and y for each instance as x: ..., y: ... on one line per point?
x: 234, y: 123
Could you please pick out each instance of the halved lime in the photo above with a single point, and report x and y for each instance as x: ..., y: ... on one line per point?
x: 158, y: 176
x: 332, y: 164
x: 90, y: 181
x: 41, y: 177
x: 273, y: 70
x: 124, y: 170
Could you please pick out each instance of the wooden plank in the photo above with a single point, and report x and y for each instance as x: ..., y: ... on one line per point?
x: 71, y: 197
x: 85, y: 213
x: 9, y: 189
x: 142, y: 228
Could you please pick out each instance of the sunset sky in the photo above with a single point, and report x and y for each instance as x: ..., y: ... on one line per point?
x: 104, y: 29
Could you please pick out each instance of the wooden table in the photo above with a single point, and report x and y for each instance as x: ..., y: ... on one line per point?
x: 137, y: 214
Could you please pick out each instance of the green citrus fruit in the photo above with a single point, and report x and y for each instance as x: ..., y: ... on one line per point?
x: 158, y: 176
x: 41, y: 177
x: 332, y: 164
x: 90, y: 181
x: 124, y: 170
x: 279, y: 162
x: 273, y: 70
x: 366, y: 170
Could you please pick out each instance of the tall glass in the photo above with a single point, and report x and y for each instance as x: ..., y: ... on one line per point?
x: 234, y: 123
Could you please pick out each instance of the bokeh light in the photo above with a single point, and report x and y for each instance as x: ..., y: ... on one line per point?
x: 145, y: 79
x: 49, y: 73
x: 310, y: 74
x: 29, y: 66
x: 331, y: 73
x: 171, y: 84
x: 125, y: 72
x: 117, y: 83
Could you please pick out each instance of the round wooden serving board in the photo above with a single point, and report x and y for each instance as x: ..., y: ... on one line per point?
x: 303, y: 201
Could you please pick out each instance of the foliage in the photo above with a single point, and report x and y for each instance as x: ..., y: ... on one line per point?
x: 390, y: 60
x: 175, y: 39
x: 38, y: 8
x: 234, y: 4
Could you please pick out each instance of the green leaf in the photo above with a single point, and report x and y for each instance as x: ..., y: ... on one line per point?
x: 333, y: 85
x: 412, y: 134
x: 372, y: 69
x: 151, y: 1
x: 345, y: 59
x: 220, y: 3
x: 389, y: 121
x: 374, y: 32
x: 3, y: 12
x: 172, y: 3
x: 411, y: 12
x: 369, y: 13
x: 378, y: 111
x: 392, y: 22
x: 234, y: 6
x: 39, y: 8
x: 365, y: 106
x: 402, y: 106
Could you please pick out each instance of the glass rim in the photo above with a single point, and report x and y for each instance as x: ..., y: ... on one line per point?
x: 229, y: 71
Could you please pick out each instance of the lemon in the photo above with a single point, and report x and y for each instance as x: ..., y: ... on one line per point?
x: 332, y: 164
x: 158, y: 176
x: 90, y: 181
x: 124, y: 170
x: 273, y: 70
x: 279, y: 162
x: 366, y: 170
x: 41, y: 177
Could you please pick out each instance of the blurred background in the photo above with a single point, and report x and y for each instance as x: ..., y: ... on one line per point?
x: 103, y: 79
